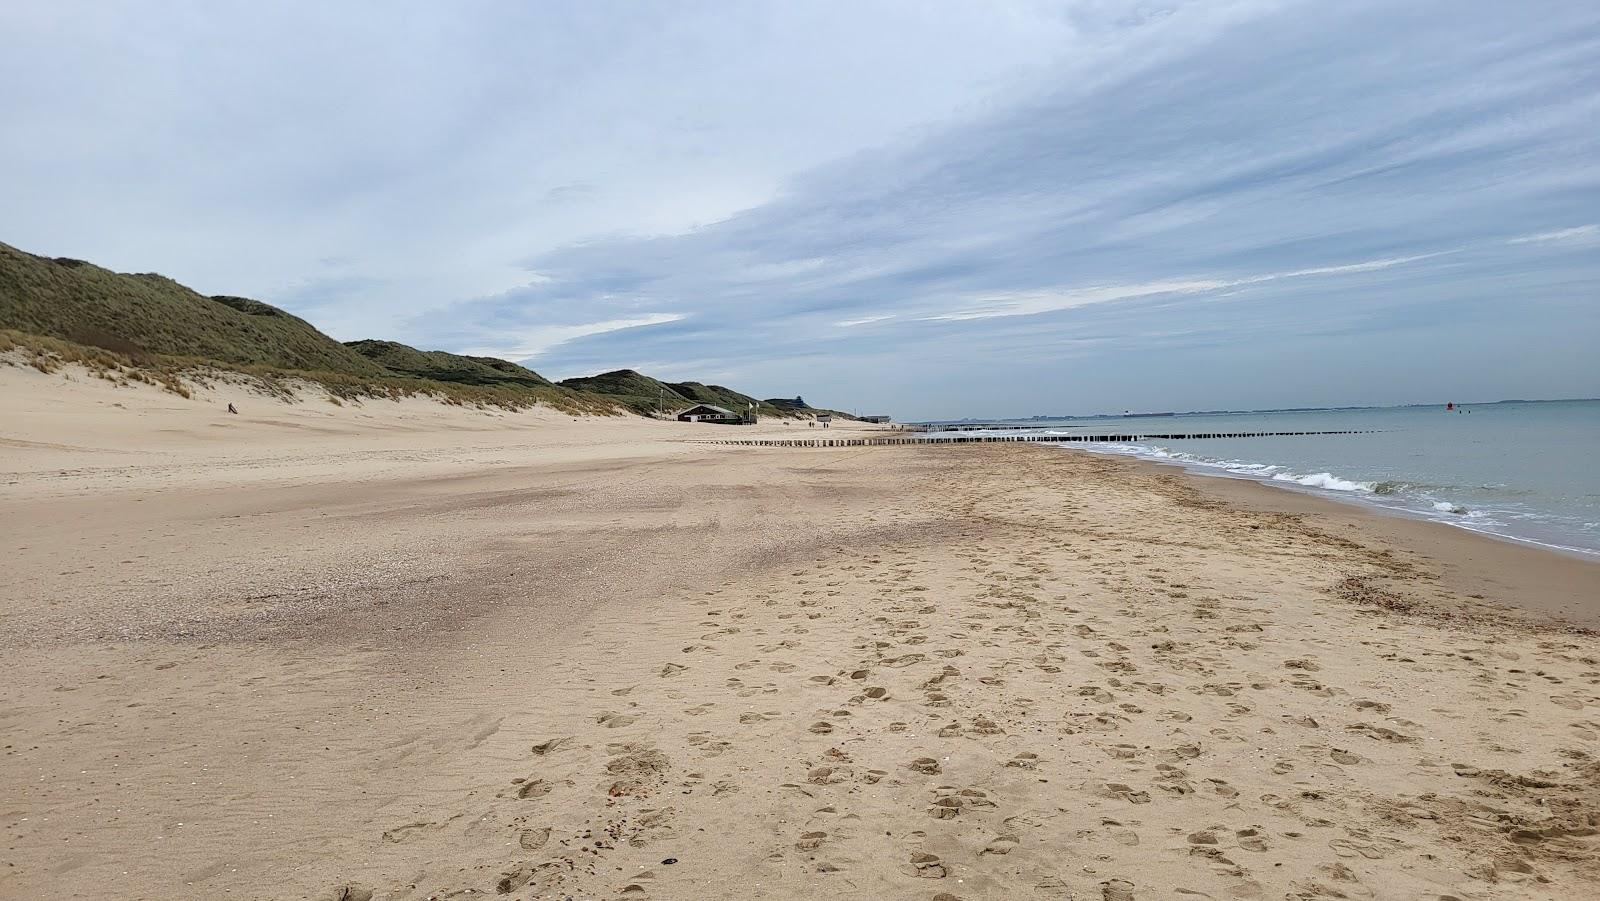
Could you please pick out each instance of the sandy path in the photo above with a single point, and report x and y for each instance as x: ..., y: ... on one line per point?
x: 546, y: 662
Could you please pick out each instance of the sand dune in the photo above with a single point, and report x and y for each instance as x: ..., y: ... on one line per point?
x: 407, y: 651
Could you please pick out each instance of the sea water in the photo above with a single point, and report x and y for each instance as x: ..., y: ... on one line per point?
x: 1524, y: 470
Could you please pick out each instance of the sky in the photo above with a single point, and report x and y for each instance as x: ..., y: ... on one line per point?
x: 931, y: 210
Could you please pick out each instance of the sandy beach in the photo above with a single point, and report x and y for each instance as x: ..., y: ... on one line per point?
x: 403, y: 650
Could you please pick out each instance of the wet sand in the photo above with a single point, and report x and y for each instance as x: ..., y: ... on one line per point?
x: 1540, y: 581
x: 320, y: 652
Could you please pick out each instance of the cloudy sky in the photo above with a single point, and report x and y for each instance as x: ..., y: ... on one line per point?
x: 928, y: 209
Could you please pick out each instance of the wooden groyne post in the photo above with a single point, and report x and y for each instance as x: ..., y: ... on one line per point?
x: 1008, y: 439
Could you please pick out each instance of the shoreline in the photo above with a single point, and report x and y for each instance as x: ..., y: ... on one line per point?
x: 1539, y: 579
x: 1217, y: 472
x: 534, y: 656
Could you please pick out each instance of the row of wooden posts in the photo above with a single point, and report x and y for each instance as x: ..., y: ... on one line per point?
x: 996, y: 439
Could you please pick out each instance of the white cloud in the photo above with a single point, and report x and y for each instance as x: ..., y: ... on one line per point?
x: 1031, y: 303
x: 535, y: 341
x: 1582, y: 234
x: 231, y: 146
x: 864, y: 320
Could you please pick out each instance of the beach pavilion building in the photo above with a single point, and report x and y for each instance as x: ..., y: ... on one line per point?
x: 710, y: 413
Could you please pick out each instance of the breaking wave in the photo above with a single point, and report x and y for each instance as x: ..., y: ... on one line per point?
x: 1414, y: 497
x: 1324, y: 480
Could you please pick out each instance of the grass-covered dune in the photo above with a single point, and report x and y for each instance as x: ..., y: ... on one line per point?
x: 635, y: 391
x: 644, y: 395
x: 147, y: 327
x: 446, y: 367
x: 82, y: 303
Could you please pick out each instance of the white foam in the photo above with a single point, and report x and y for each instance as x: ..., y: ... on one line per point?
x: 1393, y: 495
x: 1324, y: 480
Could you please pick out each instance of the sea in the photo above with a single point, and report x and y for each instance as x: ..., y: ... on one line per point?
x: 1526, y: 471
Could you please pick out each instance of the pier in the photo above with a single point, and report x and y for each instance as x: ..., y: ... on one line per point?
x: 934, y: 438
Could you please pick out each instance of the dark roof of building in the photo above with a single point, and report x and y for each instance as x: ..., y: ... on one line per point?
x: 721, y: 411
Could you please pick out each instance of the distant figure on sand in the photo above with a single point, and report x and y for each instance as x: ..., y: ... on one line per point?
x: 231, y: 409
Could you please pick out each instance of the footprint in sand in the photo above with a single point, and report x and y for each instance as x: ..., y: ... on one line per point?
x: 982, y: 725
x: 1116, y: 890
x: 1182, y: 752
x: 544, y: 748
x: 405, y: 833
x: 1251, y: 840
x: 1127, y: 793
x: 529, y: 789
x: 827, y: 775
x: 1001, y: 844
x: 708, y: 744
x: 1120, y: 835
x: 636, y: 769
x: 1381, y: 733
x: 513, y: 879
x: 974, y: 798
x: 533, y: 839
x: 927, y: 866
x: 615, y: 720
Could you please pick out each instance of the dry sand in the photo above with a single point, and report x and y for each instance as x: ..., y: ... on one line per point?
x: 426, y: 652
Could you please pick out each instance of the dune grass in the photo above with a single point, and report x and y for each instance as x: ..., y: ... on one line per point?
x: 179, y: 374
x: 440, y: 366
x: 147, y: 327
x: 84, y: 304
